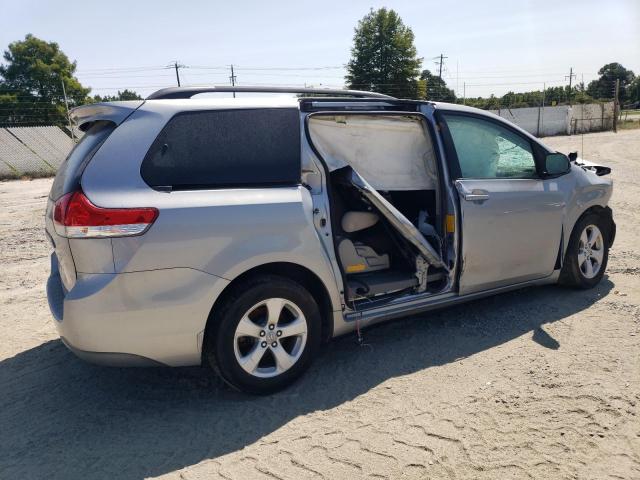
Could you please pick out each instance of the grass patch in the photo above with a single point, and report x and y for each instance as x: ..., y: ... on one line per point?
x: 629, y: 124
x: 27, y: 176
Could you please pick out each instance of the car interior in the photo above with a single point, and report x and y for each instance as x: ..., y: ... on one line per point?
x: 383, y: 190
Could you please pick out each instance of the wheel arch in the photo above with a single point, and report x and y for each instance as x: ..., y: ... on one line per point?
x: 603, y: 211
x: 292, y: 271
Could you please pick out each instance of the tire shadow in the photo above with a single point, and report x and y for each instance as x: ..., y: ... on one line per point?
x: 62, y: 418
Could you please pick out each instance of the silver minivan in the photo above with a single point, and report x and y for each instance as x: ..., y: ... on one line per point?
x: 241, y: 233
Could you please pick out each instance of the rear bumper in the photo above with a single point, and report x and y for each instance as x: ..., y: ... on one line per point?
x: 111, y: 359
x: 145, y: 318
x: 55, y: 290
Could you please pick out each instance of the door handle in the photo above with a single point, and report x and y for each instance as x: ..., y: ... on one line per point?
x: 476, y: 195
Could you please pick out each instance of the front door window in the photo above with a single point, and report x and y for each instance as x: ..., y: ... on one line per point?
x: 488, y: 150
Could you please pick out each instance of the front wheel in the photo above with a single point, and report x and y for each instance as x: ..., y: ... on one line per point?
x: 587, y: 254
x: 267, y: 334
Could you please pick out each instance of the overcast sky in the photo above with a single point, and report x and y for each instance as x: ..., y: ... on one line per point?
x: 492, y: 46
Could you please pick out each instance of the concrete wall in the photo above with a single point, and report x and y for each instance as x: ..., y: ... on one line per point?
x: 591, y: 118
x: 562, y: 119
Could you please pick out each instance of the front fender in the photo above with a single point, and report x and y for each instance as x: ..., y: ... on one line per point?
x: 588, y: 191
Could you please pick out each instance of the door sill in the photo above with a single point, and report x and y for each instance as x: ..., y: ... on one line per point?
x: 412, y: 304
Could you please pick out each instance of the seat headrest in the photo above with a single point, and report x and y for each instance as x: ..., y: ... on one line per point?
x: 356, y: 221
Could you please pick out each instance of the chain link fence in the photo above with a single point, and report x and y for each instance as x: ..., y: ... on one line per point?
x: 32, y: 151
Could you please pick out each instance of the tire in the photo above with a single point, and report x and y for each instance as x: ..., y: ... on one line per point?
x: 575, y: 270
x: 246, y: 352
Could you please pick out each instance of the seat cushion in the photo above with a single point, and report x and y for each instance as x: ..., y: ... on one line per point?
x: 357, y: 257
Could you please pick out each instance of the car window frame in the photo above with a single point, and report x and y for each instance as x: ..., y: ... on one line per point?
x: 219, y: 186
x: 441, y: 198
x: 453, y: 161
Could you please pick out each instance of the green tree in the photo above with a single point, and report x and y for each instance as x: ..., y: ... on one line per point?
x: 436, y: 88
x: 552, y: 95
x: 633, y: 92
x: 31, y: 83
x: 383, y: 57
x: 603, y: 87
x: 121, y: 96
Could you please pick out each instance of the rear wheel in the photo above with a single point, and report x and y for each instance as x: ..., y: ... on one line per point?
x: 587, y: 254
x: 267, y: 334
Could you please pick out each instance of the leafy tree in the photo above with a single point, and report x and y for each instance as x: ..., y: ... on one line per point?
x: 552, y: 95
x: 384, y: 58
x: 31, y: 84
x: 580, y: 95
x: 633, y: 92
x: 124, y: 95
x: 437, y: 88
x: 485, y: 103
x: 603, y: 87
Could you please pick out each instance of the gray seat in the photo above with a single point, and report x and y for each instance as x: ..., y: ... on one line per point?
x: 356, y: 257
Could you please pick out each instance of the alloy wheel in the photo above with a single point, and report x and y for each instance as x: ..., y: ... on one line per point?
x: 270, y: 337
x: 590, y: 251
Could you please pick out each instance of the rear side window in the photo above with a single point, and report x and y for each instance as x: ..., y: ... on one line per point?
x: 228, y: 148
x: 68, y: 176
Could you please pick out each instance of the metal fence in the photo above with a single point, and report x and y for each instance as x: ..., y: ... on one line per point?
x: 35, y: 151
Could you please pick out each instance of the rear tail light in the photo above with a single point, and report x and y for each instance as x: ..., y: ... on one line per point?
x: 74, y: 216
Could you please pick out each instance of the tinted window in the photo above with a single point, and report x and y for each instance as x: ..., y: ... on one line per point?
x: 226, y: 148
x: 486, y: 149
x: 68, y: 176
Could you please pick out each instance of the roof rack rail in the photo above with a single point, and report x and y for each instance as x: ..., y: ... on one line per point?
x: 188, y: 92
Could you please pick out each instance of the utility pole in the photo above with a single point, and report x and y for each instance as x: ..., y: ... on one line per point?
x: 615, y: 105
x: 233, y: 80
x: 177, y: 66
x: 570, y: 77
x: 464, y: 93
x: 66, y: 103
x: 541, y: 123
x: 440, y: 63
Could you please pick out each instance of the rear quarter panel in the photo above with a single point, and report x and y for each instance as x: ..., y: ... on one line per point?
x: 223, y: 232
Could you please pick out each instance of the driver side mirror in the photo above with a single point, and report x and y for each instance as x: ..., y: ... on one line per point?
x: 556, y: 164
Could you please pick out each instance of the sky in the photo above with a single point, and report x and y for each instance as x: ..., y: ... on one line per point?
x: 491, y: 46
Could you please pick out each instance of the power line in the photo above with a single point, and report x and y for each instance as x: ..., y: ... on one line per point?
x: 123, y: 69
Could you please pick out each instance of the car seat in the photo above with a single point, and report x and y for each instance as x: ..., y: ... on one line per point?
x: 355, y: 256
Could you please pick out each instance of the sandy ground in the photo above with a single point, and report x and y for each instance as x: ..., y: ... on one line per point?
x: 540, y: 383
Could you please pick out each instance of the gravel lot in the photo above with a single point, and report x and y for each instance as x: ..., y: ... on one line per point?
x: 539, y: 383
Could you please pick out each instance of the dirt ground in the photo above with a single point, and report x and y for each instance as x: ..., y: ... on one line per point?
x: 539, y: 383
